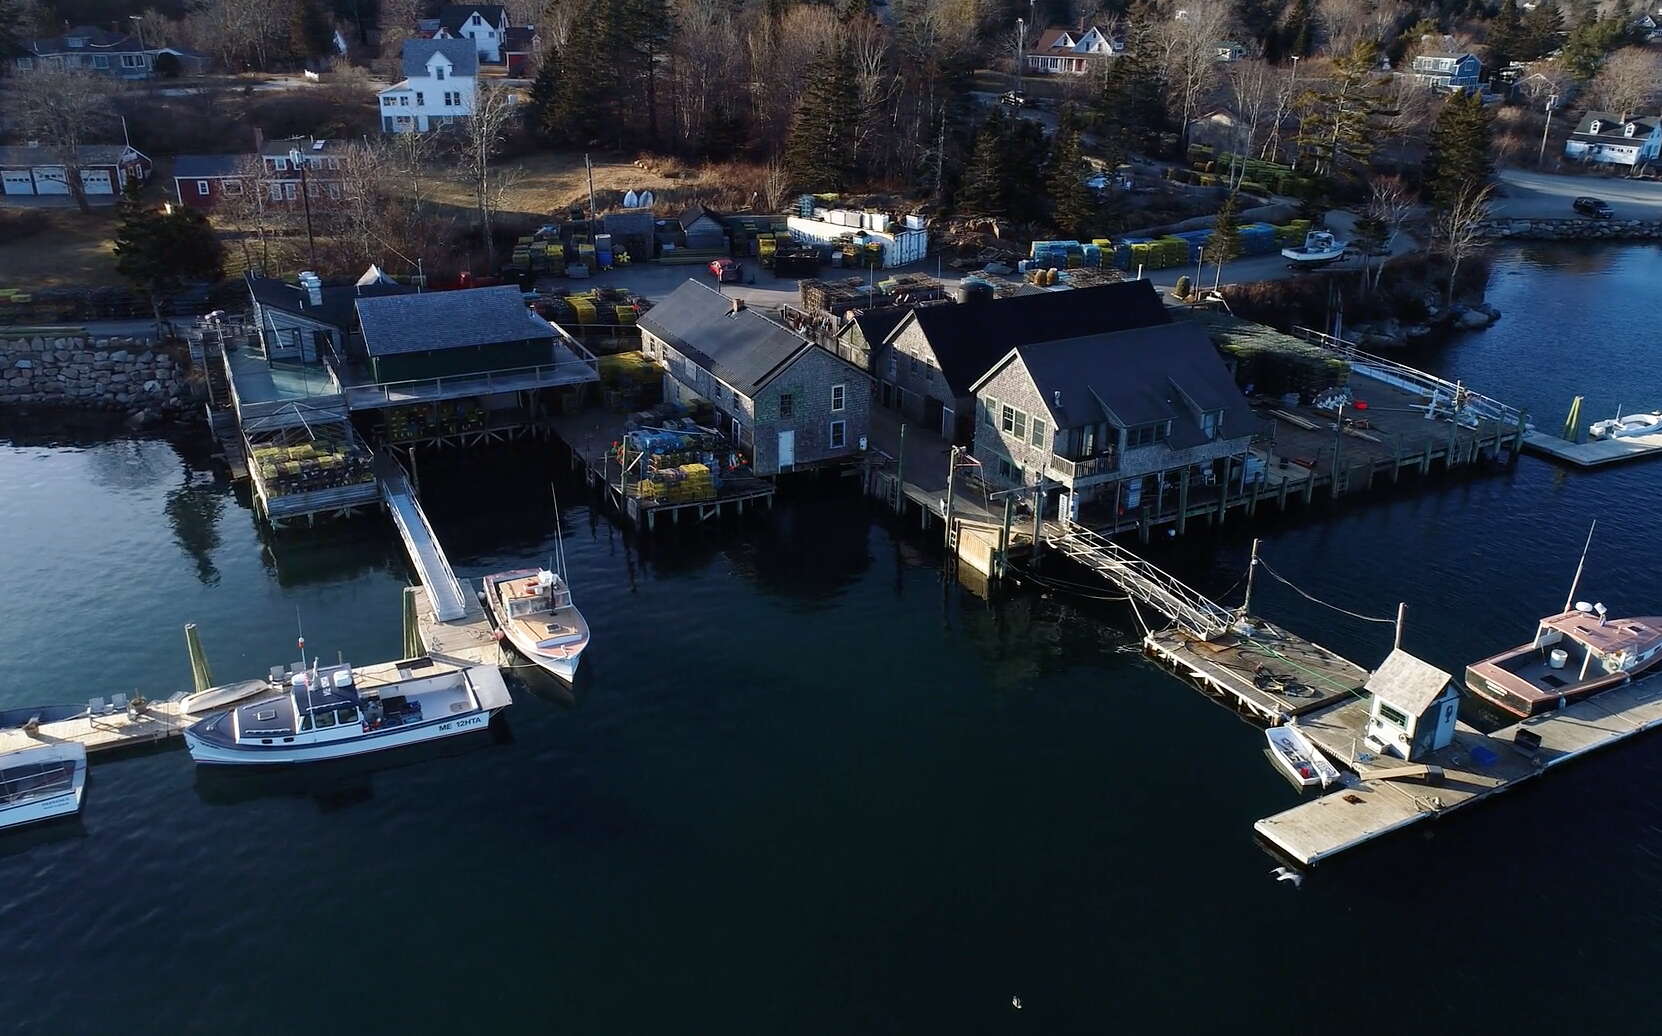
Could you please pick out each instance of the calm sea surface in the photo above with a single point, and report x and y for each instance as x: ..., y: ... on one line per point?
x: 804, y: 786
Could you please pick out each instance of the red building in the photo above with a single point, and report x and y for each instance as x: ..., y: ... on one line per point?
x: 202, y: 180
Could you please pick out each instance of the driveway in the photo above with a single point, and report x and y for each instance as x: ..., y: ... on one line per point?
x: 1274, y: 267
x: 1532, y: 194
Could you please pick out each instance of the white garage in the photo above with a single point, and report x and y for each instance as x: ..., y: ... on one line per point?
x: 97, y: 181
x: 17, y: 181
x: 51, y: 180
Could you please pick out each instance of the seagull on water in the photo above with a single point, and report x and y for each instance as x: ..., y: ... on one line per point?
x: 1283, y: 874
x: 1015, y: 1002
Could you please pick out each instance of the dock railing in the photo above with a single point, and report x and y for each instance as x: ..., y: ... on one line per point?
x: 549, y: 375
x: 1143, y: 581
x: 1402, y: 376
x: 444, y: 590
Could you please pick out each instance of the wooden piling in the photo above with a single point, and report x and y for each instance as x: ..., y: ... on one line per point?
x: 201, y: 675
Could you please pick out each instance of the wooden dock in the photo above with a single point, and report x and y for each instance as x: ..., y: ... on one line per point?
x: 469, y: 639
x: 1272, y: 675
x: 1595, y: 452
x: 1474, y: 767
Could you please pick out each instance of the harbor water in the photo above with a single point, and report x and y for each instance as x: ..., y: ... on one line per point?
x: 806, y: 785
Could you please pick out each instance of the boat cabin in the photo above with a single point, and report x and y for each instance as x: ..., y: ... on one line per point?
x: 33, y: 774
x: 325, y: 704
x: 1413, y: 708
x: 532, y: 601
x: 1573, y: 654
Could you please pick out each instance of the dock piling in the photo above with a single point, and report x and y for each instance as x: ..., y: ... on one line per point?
x: 201, y: 676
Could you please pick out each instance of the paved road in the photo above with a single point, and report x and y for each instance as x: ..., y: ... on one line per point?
x: 1549, y: 195
x: 1274, y: 267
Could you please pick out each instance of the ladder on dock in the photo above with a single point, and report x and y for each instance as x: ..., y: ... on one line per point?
x: 1142, y: 581
x: 449, y: 598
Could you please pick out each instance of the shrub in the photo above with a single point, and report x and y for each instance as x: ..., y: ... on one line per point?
x: 1182, y: 287
x: 168, y: 66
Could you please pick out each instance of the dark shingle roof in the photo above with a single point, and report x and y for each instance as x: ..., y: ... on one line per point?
x: 281, y: 147
x: 98, y: 41
x: 339, y: 300
x: 519, y: 38
x: 453, y: 16
x: 875, y: 324
x: 1138, y: 377
x: 89, y: 154
x: 448, y: 320
x: 1613, y: 128
x: 744, y: 349
x: 694, y: 213
x: 462, y: 54
x: 186, y: 167
x: 968, y: 338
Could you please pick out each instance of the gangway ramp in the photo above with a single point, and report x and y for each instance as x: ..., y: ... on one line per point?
x: 445, y: 593
x: 1142, y: 581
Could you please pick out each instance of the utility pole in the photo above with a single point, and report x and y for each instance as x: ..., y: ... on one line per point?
x: 1021, y: 38
x: 588, y: 166
x: 306, y: 199
x: 1541, y: 158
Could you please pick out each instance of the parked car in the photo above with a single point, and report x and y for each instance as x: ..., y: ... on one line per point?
x: 1014, y: 98
x: 1592, y: 207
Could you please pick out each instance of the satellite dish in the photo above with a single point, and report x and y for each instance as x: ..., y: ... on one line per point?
x: 631, y: 200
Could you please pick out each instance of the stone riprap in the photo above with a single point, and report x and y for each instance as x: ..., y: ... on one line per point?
x: 96, y: 373
x: 1572, y: 229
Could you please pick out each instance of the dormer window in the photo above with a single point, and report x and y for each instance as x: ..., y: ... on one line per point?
x: 438, y: 71
x: 1630, y: 129
x: 476, y: 20
x: 1594, y: 126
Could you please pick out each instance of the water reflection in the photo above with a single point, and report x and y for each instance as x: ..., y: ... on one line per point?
x: 193, y: 510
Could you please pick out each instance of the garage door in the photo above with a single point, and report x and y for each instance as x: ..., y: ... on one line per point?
x: 17, y: 183
x: 51, y: 181
x: 97, y: 181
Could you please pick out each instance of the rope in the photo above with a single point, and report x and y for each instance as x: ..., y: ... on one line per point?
x: 1317, y: 600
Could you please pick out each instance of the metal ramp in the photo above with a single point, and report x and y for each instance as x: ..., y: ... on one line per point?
x: 449, y: 598
x: 1141, y: 580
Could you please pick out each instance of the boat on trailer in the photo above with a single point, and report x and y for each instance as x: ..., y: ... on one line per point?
x: 41, y: 783
x: 1320, y: 248
x: 534, y: 611
x: 333, y: 712
x: 1295, y: 756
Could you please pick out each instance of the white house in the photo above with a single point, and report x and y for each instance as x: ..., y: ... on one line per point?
x: 1069, y: 51
x: 485, y: 24
x: 1606, y: 138
x: 1413, y: 709
x: 437, y: 88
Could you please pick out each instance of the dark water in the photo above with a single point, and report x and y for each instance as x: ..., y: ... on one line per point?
x: 806, y: 787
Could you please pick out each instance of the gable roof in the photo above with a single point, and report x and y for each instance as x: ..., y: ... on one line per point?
x: 453, y: 16
x: 187, y: 167
x: 876, y: 324
x: 968, y: 338
x: 1613, y: 128
x: 1406, y: 683
x: 695, y: 212
x: 339, y: 300
x: 98, y: 41
x: 744, y: 349
x: 1145, y: 375
x: 281, y: 147
x: 461, y: 53
x: 433, y: 320
x: 89, y: 154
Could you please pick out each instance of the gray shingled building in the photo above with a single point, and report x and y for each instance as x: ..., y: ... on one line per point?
x: 434, y: 334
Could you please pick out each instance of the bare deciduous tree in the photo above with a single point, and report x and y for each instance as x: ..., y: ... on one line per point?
x: 64, y: 109
x: 1250, y: 93
x: 481, y: 137
x: 263, y: 226
x: 1346, y: 23
x: 776, y: 183
x: 1629, y: 81
x: 1283, y: 87
x: 1391, y: 203
x: 396, y: 20
x: 1188, y: 48
x: 1456, y: 229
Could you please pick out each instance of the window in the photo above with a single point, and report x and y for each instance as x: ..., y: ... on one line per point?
x: 1391, y: 715
x: 280, y: 164
x: 231, y: 188
x: 100, y: 61
x: 202, y: 187
x: 334, y: 191
x: 25, y: 63
x: 438, y: 71
x: 476, y: 20
x: 989, y: 412
x: 420, y: 99
x: 1210, y: 423
x: 839, y: 434
x: 1021, y: 425
x: 892, y: 367
x: 787, y: 405
x: 325, y: 720
x: 346, y: 714
x: 404, y: 100
x: 1038, y: 433
x: 276, y: 192
x: 389, y: 102
x: 839, y: 394
x: 132, y: 61
x: 1148, y: 434
x: 1007, y: 418
x: 288, y: 191
x: 915, y: 366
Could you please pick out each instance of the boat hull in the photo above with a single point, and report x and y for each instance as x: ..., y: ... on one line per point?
x: 64, y: 804
x: 1523, y: 708
x: 209, y: 753
x: 563, y: 665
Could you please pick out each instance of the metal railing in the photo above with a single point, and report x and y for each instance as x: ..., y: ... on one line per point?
x: 387, y: 393
x: 1402, y: 376
x: 445, y: 591
x: 1100, y: 464
x: 1143, y: 581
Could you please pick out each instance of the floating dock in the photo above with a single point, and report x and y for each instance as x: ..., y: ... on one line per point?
x: 1474, y: 767
x: 1273, y: 675
x: 1595, y: 452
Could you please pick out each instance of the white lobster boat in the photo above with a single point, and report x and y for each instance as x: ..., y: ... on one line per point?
x: 1625, y: 427
x: 331, y: 712
x: 41, y: 783
x: 534, y: 610
x: 1320, y: 248
x: 1295, y: 756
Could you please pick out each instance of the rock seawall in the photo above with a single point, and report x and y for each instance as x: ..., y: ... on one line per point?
x: 1572, y: 229
x: 95, y: 373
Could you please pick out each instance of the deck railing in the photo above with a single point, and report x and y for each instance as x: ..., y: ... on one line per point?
x: 1101, y: 464
x: 1402, y: 376
x: 389, y: 393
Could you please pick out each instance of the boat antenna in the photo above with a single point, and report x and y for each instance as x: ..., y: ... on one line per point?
x: 1570, y: 600
x: 559, y: 535
x: 310, y: 678
x: 302, y: 638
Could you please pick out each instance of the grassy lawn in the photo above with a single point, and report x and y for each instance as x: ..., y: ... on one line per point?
x: 551, y: 182
x: 70, y: 250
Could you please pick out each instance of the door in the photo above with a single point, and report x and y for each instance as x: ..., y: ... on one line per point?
x: 97, y: 181
x: 787, y: 449
x: 51, y: 180
x: 17, y: 182
x: 932, y: 412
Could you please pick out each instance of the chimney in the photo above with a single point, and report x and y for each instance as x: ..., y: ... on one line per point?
x: 314, y: 287
x: 738, y: 304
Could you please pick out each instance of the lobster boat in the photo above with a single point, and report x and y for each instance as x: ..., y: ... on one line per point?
x: 41, y: 783
x: 1320, y: 248
x: 534, y: 611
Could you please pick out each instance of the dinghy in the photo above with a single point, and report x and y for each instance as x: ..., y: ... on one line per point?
x: 1295, y: 756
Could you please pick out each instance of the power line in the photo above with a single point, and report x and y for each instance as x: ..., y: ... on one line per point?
x: 1316, y: 600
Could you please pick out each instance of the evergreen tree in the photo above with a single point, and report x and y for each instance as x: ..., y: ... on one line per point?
x: 1506, y: 34
x: 159, y: 251
x: 1026, y: 157
x: 1131, y: 107
x: 1340, y: 132
x: 311, y: 32
x: 1225, y: 242
x: 1542, y: 26
x: 1589, y: 44
x: 1300, y: 29
x: 1458, y: 159
x: 982, y: 191
x: 818, y: 156
x: 1075, y: 210
x: 542, y: 110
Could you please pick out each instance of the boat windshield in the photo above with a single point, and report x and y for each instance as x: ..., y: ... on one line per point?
x: 30, y: 780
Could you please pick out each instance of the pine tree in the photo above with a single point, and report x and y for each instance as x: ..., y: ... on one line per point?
x: 982, y: 191
x: 1542, y: 26
x: 1340, y: 131
x: 1026, y: 157
x: 542, y: 111
x: 818, y: 155
x: 1300, y: 28
x: 159, y: 251
x: 1225, y: 242
x: 1075, y: 209
x: 1505, y: 35
x: 1458, y: 159
x: 1130, y: 107
x: 310, y: 31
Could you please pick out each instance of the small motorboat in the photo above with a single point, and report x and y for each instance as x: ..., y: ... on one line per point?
x: 534, y: 611
x: 1320, y: 248
x: 40, y: 783
x: 1625, y: 427
x: 1295, y: 756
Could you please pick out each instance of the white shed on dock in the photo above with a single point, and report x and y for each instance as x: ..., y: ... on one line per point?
x: 1413, y: 708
